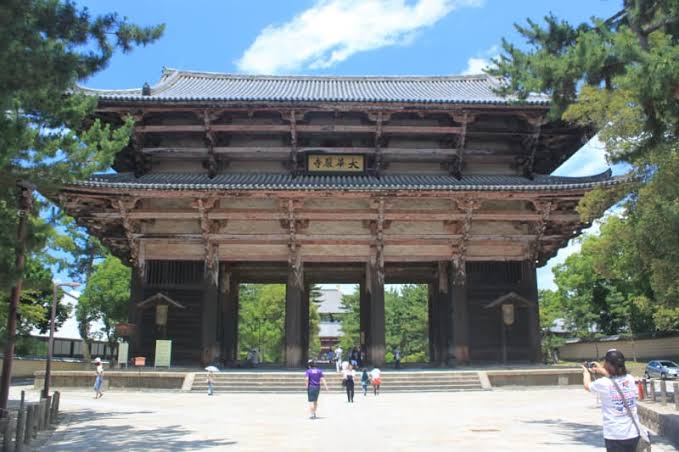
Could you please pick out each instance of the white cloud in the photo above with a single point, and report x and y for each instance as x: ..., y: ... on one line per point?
x: 333, y: 30
x: 477, y: 64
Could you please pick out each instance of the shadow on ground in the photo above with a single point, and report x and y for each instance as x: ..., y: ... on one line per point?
x: 574, y: 432
x: 76, y: 433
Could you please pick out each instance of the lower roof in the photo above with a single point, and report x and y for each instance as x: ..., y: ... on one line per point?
x: 287, y: 182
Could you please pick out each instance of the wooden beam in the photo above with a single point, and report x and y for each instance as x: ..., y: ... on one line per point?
x: 300, y: 128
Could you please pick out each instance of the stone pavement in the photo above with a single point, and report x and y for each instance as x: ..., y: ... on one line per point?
x: 549, y: 419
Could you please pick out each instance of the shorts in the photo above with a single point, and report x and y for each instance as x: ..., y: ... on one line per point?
x: 377, y: 381
x: 312, y: 393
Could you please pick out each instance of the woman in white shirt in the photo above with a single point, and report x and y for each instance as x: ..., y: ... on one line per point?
x: 99, y: 380
x: 617, y: 390
x: 349, y: 377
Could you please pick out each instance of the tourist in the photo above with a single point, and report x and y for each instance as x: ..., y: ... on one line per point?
x: 210, y: 382
x: 365, y: 381
x: 338, y: 358
x: 348, y: 377
x: 99, y: 379
x: 376, y: 379
x: 397, y: 358
x: 329, y: 356
x: 618, y: 393
x: 313, y: 379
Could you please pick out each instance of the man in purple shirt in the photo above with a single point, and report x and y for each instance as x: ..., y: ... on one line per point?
x: 313, y: 379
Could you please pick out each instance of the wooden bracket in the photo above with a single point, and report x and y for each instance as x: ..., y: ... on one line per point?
x: 207, y: 228
x: 294, y: 252
x: 460, y: 254
x: 544, y: 208
x: 131, y: 228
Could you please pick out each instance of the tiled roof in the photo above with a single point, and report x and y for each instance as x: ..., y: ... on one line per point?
x: 188, y: 86
x: 285, y: 181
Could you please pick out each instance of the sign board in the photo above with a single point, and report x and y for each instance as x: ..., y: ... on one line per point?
x: 161, y: 314
x: 123, y: 350
x: 508, y: 314
x: 335, y: 163
x: 163, y: 353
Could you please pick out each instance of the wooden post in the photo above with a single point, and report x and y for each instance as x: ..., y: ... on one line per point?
x: 230, y: 288
x: 376, y: 347
x: 48, y: 411
x: 306, y: 295
x: 21, y: 423
x: 209, y: 314
x: 460, y: 312
x: 442, y: 315
x: 55, y: 416
x: 7, y: 433
x: 529, y: 289
x: 293, y: 321
x: 433, y: 326
x: 663, y: 392
x: 654, y: 397
x: 364, y: 313
x: 30, y: 417
x: 676, y: 396
x: 133, y: 314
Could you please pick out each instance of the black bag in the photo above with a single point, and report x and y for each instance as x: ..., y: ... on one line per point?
x: 344, y: 382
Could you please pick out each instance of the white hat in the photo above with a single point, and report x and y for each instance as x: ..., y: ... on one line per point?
x: 97, y: 360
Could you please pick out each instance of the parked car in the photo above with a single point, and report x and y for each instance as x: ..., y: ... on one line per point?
x: 663, y: 369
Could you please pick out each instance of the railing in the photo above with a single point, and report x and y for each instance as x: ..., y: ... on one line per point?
x: 21, y: 426
x: 656, y: 391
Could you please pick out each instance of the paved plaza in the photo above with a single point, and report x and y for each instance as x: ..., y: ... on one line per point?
x: 549, y: 419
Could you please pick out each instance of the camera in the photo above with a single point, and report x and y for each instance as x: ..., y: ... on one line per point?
x: 590, y: 364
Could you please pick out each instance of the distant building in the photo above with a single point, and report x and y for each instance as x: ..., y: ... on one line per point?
x: 330, y: 310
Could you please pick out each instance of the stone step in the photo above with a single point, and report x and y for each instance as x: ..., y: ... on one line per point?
x: 299, y: 384
x: 358, y: 391
x: 301, y: 378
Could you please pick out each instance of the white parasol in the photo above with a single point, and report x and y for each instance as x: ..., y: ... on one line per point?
x: 212, y: 369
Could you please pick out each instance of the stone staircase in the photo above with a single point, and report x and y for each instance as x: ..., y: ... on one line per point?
x: 291, y: 382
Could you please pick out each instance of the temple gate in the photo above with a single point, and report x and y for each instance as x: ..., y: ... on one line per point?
x: 232, y: 179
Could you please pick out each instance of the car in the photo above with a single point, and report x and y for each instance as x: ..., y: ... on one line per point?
x: 662, y: 368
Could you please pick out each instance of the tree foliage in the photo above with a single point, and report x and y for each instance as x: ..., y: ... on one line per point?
x: 621, y: 76
x: 406, y: 321
x: 261, y: 321
x: 46, y: 47
x: 106, y: 296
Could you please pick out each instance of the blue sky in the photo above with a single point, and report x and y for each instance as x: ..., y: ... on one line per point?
x: 341, y: 37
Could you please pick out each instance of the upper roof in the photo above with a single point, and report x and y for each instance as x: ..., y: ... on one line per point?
x: 387, y: 182
x: 191, y: 86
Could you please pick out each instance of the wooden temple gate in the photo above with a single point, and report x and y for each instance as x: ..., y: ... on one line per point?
x: 302, y: 180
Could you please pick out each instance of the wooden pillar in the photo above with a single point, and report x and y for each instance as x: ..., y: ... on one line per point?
x: 529, y: 290
x: 209, y: 312
x: 364, y: 314
x: 306, y: 295
x: 230, y: 289
x: 376, y: 346
x: 293, y: 321
x: 433, y: 326
x: 459, y: 313
x: 133, y: 314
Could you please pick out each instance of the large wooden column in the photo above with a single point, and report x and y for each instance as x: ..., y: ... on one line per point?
x: 294, y: 303
x: 134, y: 316
x: 433, y: 326
x: 364, y: 315
x: 460, y: 312
x: 209, y: 313
x: 376, y: 345
x: 230, y: 290
x: 440, y: 327
x: 306, y: 299
x: 529, y: 290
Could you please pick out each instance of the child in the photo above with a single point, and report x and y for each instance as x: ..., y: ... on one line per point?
x: 99, y: 380
x: 365, y: 381
x: 210, y: 382
x: 376, y: 378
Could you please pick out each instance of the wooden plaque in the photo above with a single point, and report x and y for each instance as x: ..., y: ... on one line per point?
x: 335, y: 163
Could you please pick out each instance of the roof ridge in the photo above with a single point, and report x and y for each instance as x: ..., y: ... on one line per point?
x: 169, y: 72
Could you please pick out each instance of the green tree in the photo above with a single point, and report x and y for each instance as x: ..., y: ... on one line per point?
x: 261, y: 321
x: 551, y: 310
x: 46, y: 47
x: 106, y: 296
x: 406, y: 321
x: 619, y: 75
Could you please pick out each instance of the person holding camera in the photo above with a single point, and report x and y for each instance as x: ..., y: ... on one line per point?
x: 618, y: 392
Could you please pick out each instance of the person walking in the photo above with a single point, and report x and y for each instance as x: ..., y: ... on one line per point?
x: 365, y: 381
x: 338, y: 359
x: 313, y: 379
x: 210, y: 382
x: 348, y: 378
x: 376, y: 379
x: 99, y: 378
x: 397, y: 358
x: 618, y: 392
